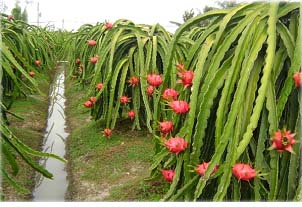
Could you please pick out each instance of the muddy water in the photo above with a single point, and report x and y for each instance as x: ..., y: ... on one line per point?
x: 54, y: 142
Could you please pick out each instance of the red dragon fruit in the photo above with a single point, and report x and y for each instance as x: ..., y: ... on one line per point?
x: 94, y: 59
x: 201, y: 169
x: 186, y: 78
x: 170, y: 94
x: 154, y: 80
x: 131, y: 114
x: 93, y: 99
x: 124, y: 100
x: 168, y: 175
x: 108, y: 25
x: 107, y: 132
x: 283, y: 141
x: 38, y: 62
x: 133, y: 81
x: 78, y: 61
x: 99, y: 86
x: 88, y: 104
x: 10, y: 17
x: 176, y: 145
x: 165, y: 127
x: 244, y: 171
x: 297, y: 79
x: 91, y: 42
x: 32, y: 73
x: 180, y: 107
x: 150, y: 90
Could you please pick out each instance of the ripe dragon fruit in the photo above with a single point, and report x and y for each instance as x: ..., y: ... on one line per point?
x: 150, y: 90
x: 78, y: 61
x: 38, y: 62
x: 32, y: 73
x: 99, y: 86
x: 170, y: 94
x: 283, y: 141
x: 133, y: 81
x: 165, y: 127
x: 124, y: 100
x: 201, y: 169
x: 297, y: 79
x: 108, y: 25
x: 93, y: 99
x: 131, y: 114
x: 244, y: 171
x: 176, y: 145
x: 88, y: 104
x: 91, y: 42
x: 154, y: 80
x: 180, y: 107
x: 107, y: 132
x: 94, y: 59
x: 186, y: 78
x: 168, y: 175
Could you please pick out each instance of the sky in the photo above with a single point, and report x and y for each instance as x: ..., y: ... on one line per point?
x: 70, y: 14
x: 75, y: 13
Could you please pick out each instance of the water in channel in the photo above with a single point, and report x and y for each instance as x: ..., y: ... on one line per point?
x: 54, y: 142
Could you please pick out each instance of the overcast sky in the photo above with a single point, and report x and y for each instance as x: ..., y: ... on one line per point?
x: 77, y: 12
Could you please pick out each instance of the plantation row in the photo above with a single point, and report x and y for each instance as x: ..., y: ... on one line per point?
x: 221, y: 101
x: 215, y: 98
x: 27, y: 54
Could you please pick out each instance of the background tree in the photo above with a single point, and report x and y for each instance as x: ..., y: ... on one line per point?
x: 208, y: 8
x: 190, y: 13
x: 186, y: 16
x: 18, y: 14
x: 16, y: 11
x: 24, y: 15
x: 226, y: 4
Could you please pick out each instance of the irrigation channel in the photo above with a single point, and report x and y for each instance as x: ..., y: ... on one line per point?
x: 54, y: 142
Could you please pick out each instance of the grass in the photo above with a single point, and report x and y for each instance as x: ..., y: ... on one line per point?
x: 100, y: 169
x: 138, y: 190
x: 106, y: 169
x: 30, y: 130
